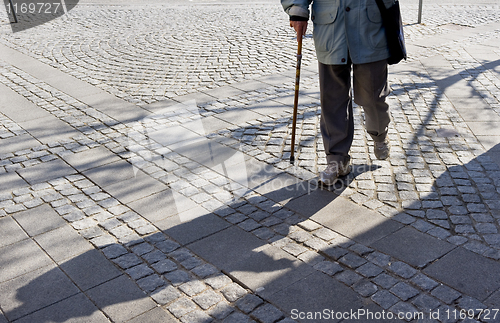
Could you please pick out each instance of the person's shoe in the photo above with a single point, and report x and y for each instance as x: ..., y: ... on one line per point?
x: 382, y: 149
x: 334, y: 170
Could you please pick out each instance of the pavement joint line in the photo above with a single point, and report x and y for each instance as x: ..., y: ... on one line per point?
x: 441, y: 156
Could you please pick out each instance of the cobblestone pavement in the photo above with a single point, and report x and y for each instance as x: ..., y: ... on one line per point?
x: 439, y: 187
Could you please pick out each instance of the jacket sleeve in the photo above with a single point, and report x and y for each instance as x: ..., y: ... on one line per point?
x: 297, y: 9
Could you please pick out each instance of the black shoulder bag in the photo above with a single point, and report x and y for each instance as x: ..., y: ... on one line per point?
x: 391, y: 20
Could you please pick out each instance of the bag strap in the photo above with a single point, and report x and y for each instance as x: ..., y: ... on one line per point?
x: 381, y: 6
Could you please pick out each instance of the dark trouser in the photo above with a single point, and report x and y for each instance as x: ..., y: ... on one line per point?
x: 370, y: 90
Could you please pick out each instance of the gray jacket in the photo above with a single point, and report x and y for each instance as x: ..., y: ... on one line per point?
x: 343, y: 28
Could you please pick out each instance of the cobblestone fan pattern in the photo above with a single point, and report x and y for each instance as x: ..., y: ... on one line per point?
x: 435, y: 181
x: 108, y: 47
x: 177, y: 279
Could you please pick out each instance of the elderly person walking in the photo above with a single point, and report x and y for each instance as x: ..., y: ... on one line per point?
x: 348, y: 35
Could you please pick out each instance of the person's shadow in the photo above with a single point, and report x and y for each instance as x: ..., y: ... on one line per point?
x: 44, y: 297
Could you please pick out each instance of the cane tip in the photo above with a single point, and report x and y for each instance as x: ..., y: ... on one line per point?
x: 292, y: 160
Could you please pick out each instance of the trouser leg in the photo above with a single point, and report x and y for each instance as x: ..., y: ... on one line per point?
x: 370, y: 91
x: 337, y: 125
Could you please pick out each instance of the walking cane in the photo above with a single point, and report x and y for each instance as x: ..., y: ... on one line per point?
x: 296, y: 99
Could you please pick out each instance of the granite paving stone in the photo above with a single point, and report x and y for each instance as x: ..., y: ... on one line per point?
x: 170, y: 155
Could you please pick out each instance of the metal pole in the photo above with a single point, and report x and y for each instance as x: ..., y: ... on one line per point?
x: 420, y: 11
x: 13, y: 11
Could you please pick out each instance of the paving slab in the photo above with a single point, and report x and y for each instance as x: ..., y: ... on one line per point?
x: 158, y: 314
x: 344, y: 217
x: 255, y: 174
x: 111, y: 173
x: 269, y: 107
x: 10, y: 182
x: 167, y: 136
x: 114, y: 107
x: 467, y: 272
x: 17, y: 108
x: 74, y: 309
x: 39, y: 220
x: 250, y: 85
x: 63, y: 243
x: 284, y: 187
x: 35, y: 290
x: 277, y: 79
x: 250, y: 260
x: 199, y: 97
x: 58, y: 79
x: 485, y: 128
x: 20, y: 258
x: 237, y: 116
x: 49, y: 129
x: 10, y: 232
x: 161, y: 205
x: 224, y: 92
x: 135, y: 188
x: 17, y: 143
x: 226, y: 247
x: 120, y: 299
x: 89, y: 269
x: 209, y: 153
x: 91, y: 158
x: 192, y: 225
x: 494, y: 300
x: 413, y: 247
x: 46, y: 171
x: 316, y: 293
x: 268, y: 271
x: 162, y: 106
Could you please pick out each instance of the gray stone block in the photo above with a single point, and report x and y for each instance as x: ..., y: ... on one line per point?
x: 343, y: 216
x: 17, y: 143
x: 120, y: 299
x: 77, y: 308
x: 413, y: 247
x: 161, y: 205
x: 10, y: 232
x: 403, y: 291
x: 46, y: 171
x: 467, y: 272
x: 35, y: 290
x: 155, y: 315
x: 314, y: 293
x: 137, y: 187
x: 91, y: 158
x: 89, y: 269
x: 111, y: 173
x: 13, y: 265
x: 39, y: 220
x: 201, y: 226
x: 267, y: 313
x: 225, y: 247
x: 63, y: 243
x: 10, y: 182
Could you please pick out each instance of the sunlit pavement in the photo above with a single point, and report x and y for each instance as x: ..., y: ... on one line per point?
x: 145, y: 174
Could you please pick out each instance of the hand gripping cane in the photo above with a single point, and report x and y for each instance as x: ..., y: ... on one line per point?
x: 296, y: 99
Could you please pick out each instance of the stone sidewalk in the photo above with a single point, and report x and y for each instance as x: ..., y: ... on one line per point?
x: 144, y: 173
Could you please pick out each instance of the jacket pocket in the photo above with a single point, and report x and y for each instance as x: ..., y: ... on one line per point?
x: 324, y: 12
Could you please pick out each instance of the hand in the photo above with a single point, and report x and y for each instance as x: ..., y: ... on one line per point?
x: 300, y: 27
